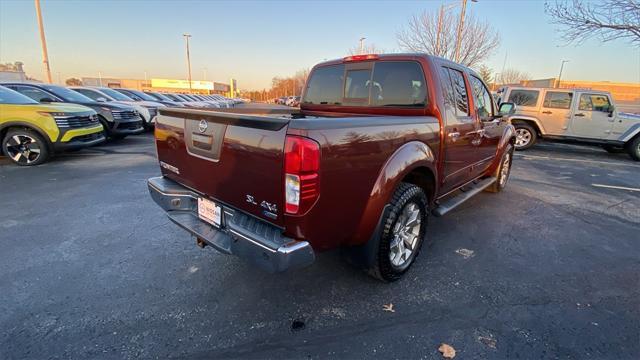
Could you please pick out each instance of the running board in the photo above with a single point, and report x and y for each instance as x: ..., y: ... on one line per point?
x: 472, y: 189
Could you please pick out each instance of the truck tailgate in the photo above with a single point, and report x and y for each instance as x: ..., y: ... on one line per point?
x: 235, y: 159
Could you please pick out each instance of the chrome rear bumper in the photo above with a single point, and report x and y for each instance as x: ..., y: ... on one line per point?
x: 239, y: 234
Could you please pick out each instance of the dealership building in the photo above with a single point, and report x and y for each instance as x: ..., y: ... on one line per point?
x: 166, y: 85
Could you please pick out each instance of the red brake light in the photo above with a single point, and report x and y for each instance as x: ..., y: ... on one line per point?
x: 361, y: 57
x: 301, y: 165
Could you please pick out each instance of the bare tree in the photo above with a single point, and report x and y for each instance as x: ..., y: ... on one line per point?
x: 367, y: 49
x: 478, y: 41
x: 605, y: 19
x: 511, y: 76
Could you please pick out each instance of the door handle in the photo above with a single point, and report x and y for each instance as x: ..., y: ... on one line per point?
x: 579, y: 114
x: 547, y: 112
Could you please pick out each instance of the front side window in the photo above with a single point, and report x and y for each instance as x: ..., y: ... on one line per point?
x: 482, y: 98
x: 524, y: 97
x: 325, y: 86
x: 592, y: 102
x: 356, y: 84
x: 34, y: 93
x: 8, y: 96
x: 557, y: 100
x: 398, y: 83
x: 460, y: 89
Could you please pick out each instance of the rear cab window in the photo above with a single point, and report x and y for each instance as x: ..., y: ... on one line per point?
x: 373, y: 84
x: 527, y: 98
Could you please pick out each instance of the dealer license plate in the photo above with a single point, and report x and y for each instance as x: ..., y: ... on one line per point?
x: 209, y: 211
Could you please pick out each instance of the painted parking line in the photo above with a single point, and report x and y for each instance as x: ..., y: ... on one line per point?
x: 616, y: 187
x: 536, y: 157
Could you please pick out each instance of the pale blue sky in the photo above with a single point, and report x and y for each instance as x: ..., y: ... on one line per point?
x: 255, y: 41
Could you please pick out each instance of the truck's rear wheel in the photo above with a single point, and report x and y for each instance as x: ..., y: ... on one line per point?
x: 403, y: 230
x: 25, y: 147
x: 526, y: 136
x: 633, y: 148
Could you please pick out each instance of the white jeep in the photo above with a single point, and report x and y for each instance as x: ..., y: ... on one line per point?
x: 572, y: 115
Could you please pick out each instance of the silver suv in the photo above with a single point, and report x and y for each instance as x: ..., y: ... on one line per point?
x: 572, y: 115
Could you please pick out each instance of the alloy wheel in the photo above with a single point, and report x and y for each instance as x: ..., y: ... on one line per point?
x: 23, y: 149
x: 504, y: 171
x: 405, y: 235
x: 523, y: 137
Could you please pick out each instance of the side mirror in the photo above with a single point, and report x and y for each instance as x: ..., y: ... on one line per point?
x: 611, y: 110
x: 101, y: 99
x: 46, y: 100
x: 506, y: 109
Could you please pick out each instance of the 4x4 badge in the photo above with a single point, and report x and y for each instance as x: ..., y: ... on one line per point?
x: 202, y: 127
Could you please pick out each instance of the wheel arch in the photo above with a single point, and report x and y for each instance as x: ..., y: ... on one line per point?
x: 530, y: 121
x: 413, y: 162
x: 6, y: 126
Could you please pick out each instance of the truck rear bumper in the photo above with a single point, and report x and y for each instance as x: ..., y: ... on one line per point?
x: 239, y: 234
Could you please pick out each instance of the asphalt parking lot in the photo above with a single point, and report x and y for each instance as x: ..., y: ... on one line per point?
x: 91, y: 268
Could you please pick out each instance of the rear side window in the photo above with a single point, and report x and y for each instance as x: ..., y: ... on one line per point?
x: 557, y: 100
x: 325, y: 86
x: 460, y: 89
x: 524, y: 97
x: 592, y: 102
x: 397, y: 83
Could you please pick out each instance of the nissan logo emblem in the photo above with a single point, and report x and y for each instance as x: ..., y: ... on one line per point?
x: 202, y: 127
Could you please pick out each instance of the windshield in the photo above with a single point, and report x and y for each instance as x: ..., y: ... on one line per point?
x: 66, y: 94
x: 160, y: 96
x: 8, y: 96
x: 142, y: 95
x: 116, y: 95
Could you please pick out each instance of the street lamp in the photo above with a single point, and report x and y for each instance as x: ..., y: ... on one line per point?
x: 460, y: 27
x: 560, y: 75
x: 362, y: 39
x: 186, y: 37
x: 43, y: 41
x: 448, y: 7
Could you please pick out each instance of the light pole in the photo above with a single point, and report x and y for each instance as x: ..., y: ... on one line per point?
x: 362, y: 39
x: 560, y: 75
x: 443, y: 8
x: 186, y: 37
x: 460, y: 27
x: 43, y: 41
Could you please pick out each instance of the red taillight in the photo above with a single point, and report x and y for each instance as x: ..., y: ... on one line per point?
x: 361, y: 57
x: 301, y: 167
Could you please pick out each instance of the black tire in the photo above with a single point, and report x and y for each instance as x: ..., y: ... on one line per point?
x: 20, y: 145
x: 405, y: 197
x: 633, y: 148
x: 613, y: 149
x: 526, y: 136
x: 505, y: 163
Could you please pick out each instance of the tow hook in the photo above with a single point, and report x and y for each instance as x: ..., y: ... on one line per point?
x: 201, y: 243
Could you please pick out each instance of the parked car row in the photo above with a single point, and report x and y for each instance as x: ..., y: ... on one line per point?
x: 38, y: 120
x: 293, y: 101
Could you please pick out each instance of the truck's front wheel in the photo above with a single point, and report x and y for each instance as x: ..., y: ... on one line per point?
x: 403, y: 230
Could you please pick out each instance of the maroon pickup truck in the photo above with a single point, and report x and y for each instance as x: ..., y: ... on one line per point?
x: 379, y: 142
